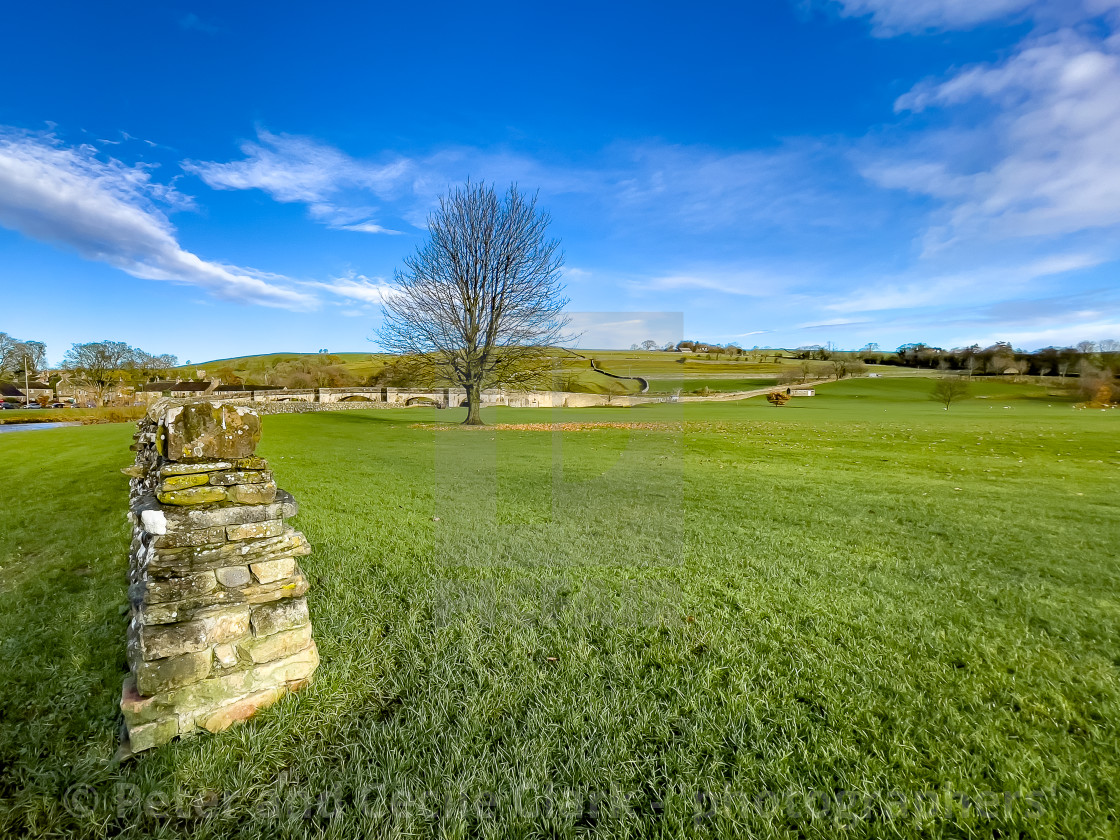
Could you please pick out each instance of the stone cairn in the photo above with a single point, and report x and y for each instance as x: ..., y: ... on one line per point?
x: 219, y: 625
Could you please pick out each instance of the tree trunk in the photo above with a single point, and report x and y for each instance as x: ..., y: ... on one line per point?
x: 474, y: 402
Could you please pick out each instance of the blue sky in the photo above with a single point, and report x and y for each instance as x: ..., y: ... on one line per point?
x: 220, y: 179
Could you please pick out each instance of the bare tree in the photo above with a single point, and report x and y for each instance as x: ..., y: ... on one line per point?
x: 1109, y: 350
x: 480, y: 303
x: 21, y: 358
x: 146, y: 367
x: 950, y: 389
x: 98, y: 364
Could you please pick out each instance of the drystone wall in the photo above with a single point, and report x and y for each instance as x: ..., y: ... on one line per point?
x: 219, y: 624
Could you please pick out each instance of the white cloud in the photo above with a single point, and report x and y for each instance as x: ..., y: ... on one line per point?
x: 357, y: 287
x: 1026, y: 147
x: 834, y: 322
x: 644, y: 185
x: 303, y: 170
x: 369, y: 227
x: 297, y: 169
x: 890, y: 17
x: 894, y: 17
x: 573, y: 273
x: 725, y: 281
x: 107, y: 211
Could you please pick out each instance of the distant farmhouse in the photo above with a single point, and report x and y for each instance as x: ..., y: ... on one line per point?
x: 8, y: 391
x: 35, y: 391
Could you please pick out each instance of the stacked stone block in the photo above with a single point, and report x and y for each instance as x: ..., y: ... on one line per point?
x: 219, y: 625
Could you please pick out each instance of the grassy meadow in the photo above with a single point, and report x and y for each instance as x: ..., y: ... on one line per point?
x: 858, y: 614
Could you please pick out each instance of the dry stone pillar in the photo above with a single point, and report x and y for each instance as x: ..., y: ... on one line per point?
x: 219, y: 625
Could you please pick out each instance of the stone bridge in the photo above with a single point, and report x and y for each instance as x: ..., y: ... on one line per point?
x: 438, y: 397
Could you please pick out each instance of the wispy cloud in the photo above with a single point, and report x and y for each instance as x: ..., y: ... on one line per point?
x: 621, y: 329
x: 1037, y: 159
x: 979, y: 285
x: 894, y: 17
x: 834, y: 322
x: 356, y: 287
x: 110, y: 212
x: 1064, y: 335
x: 647, y: 185
x: 370, y: 227
x: 729, y: 281
x: 302, y: 170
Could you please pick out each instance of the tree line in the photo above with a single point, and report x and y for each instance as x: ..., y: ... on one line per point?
x: 97, y: 366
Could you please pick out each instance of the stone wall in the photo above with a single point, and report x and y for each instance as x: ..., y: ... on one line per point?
x: 337, y: 399
x: 298, y: 407
x: 219, y: 624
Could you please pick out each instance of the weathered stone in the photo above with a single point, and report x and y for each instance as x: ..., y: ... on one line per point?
x: 148, y: 735
x: 153, y: 521
x: 211, y: 567
x: 234, y: 575
x: 224, y: 624
x: 192, y: 496
x: 134, y: 471
x: 179, y: 482
x: 225, y: 655
x: 159, y: 591
x: 188, y: 608
x: 155, y: 516
x: 224, y: 479
x: 175, y: 672
x: 293, y: 587
x: 273, y: 570
x: 255, y: 530
x: 136, y: 708
x: 187, y: 469
x: 190, y: 539
x: 206, y: 431
x: 268, y: 619
x: 215, y: 691
x: 242, y: 709
x: 251, y: 494
x: 165, y: 562
x: 159, y: 641
x: 285, y: 643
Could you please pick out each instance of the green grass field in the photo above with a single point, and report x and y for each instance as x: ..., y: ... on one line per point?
x: 855, y: 615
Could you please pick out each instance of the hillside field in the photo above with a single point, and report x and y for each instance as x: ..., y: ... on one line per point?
x: 856, y: 615
x: 686, y: 373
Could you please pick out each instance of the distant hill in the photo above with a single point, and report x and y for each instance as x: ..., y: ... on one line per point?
x: 666, y: 372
